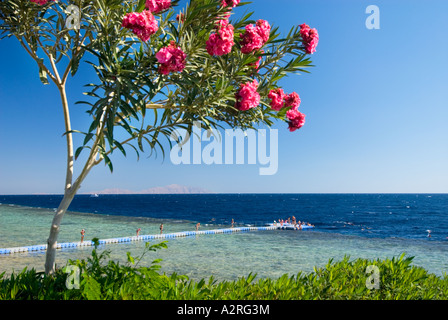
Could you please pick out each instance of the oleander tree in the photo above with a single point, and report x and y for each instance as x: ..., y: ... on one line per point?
x: 159, y: 68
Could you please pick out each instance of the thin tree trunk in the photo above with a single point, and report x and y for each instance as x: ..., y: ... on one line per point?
x: 69, y: 191
x: 50, y: 265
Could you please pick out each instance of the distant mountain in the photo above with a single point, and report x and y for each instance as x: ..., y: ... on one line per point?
x: 112, y: 191
x: 174, y: 188
x: 171, y: 189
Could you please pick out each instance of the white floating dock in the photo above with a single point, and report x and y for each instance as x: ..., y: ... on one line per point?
x: 43, y: 247
x: 290, y: 226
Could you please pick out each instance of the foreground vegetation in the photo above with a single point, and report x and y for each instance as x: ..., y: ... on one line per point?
x: 99, y: 279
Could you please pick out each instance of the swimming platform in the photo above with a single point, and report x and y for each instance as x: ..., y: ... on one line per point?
x: 65, y: 245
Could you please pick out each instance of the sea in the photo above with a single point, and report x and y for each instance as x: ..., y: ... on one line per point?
x: 370, y: 226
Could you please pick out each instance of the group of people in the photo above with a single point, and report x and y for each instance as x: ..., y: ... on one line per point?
x: 83, y: 232
x: 297, y: 224
x: 160, y: 228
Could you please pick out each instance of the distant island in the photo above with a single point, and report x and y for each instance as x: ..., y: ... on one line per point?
x: 170, y: 189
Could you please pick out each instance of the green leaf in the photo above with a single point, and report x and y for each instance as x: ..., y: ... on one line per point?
x: 75, y: 64
x: 130, y: 258
x: 92, y: 289
x: 43, y: 75
x: 109, y: 163
x: 140, y: 6
x: 120, y: 147
x: 78, y: 152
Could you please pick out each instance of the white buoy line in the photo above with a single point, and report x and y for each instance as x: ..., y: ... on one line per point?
x: 43, y: 247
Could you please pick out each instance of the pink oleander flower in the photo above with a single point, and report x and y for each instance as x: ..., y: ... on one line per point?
x: 292, y: 100
x: 277, y: 97
x: 255, y: 36
x: 264, y: 29
x: 296, y: 119
x: 171, y: 59
x: 230, y: 3
x: 157, y: 6
x: 221, y: 23
x: 143, y: 24
x: 247, y: 97
x: 221, y: 42
x: 250, y: 40
x: 310, y: 38
x: 41, y: 2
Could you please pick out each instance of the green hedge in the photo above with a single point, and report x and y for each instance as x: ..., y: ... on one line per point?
x: 100, y: 279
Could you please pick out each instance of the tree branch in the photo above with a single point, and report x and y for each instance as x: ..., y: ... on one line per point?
x: 91, y: 162
x: 157, y: 106
x: 69, y: 138
x: 39, y: 63
x: 74, y: 54
x: 55, y: 69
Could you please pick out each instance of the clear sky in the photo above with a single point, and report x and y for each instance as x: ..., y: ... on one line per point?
x: 376, y: 108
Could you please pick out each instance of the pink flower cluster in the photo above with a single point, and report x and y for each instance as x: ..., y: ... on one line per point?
x: 277, y: 97
x: 157, y: 6
x: 255, y: 36
x: 171, y: 59
x: 280, y: 99
x: 221, y: 42
x: 143, y: 24
x: 310, y: 38
x: 41, y: 2
x: 230, y: 3
x: 247, y: 97
x: 292, y: 100
x: 296, y: 119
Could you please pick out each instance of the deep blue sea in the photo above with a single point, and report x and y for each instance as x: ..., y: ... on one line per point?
x: 359, y: 225
x: 370, y: 215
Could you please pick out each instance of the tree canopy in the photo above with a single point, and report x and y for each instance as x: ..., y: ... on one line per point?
x: 160, y: 67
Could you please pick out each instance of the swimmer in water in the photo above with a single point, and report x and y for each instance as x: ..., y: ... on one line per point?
x: 83, y: 232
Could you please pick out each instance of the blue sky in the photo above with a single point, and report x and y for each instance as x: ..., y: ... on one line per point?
x: 376, y: 106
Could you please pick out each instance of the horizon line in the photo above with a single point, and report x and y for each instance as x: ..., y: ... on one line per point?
x: 216, y: 193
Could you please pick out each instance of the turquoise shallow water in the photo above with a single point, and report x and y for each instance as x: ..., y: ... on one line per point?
x: 225, y: 256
